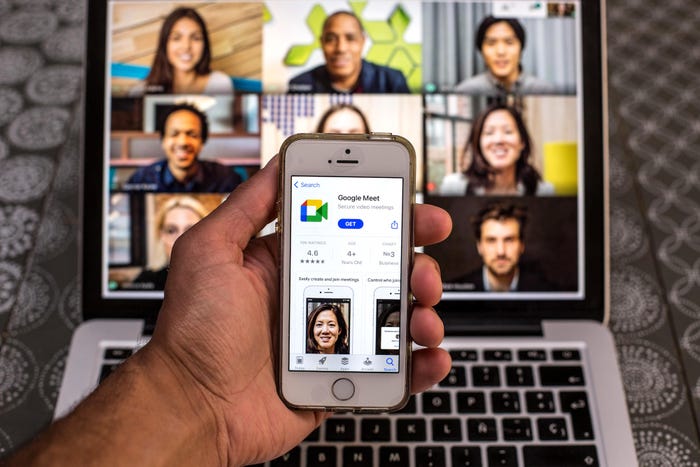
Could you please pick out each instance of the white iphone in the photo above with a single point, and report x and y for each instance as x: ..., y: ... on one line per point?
x: 346, y: 250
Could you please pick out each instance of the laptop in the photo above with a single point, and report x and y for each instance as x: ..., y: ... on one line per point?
x: 535, y: 379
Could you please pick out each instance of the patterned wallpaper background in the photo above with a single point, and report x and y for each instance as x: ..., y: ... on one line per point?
x: 655, y: 228
x: 654, y: 63
x: 41, y: 70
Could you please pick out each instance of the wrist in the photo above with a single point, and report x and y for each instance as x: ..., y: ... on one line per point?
x: 188, y: 418
x: 145, y: 413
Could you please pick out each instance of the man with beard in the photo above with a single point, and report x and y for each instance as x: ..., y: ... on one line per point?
x: 183, y: 133
x: 499, y: 232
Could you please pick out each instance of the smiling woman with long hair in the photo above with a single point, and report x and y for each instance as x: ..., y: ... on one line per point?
x: 182, y: 62
x: 499, y: 147
x: 327, y: 330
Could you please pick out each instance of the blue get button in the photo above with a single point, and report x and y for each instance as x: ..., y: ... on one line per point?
x: 350, y: 223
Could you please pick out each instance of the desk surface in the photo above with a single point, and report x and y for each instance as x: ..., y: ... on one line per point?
x: 654, y: 95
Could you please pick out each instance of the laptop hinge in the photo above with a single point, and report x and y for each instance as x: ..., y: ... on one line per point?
x: 495, y: 329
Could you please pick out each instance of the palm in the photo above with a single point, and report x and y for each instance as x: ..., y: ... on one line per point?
x: 219, y: 288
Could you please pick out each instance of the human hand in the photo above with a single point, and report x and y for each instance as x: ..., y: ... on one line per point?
x: 216, y: 332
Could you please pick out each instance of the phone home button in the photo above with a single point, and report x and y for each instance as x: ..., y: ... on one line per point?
x: 343, y: 389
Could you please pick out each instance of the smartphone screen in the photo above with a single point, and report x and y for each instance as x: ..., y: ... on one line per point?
x: 345, y: 261
x: 388, y: 311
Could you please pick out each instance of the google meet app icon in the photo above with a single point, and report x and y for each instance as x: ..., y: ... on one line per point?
x: 314, y: 210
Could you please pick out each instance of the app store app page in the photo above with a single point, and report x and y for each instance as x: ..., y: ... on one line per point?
x: 345, y: 273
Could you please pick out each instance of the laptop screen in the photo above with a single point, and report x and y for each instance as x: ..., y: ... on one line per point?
x: 197, y: 96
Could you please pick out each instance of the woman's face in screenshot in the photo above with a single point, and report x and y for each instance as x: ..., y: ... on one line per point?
x: 326, y: 331
x: 344, y: 121
x: 176, y: 222
x: 185, y: 45
x: 500, y: 140
x: 393, y: 320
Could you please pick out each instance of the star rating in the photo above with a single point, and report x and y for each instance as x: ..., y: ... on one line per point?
x: 313, y: 261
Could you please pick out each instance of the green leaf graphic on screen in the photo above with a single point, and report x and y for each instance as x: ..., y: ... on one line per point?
x: 299, y: 54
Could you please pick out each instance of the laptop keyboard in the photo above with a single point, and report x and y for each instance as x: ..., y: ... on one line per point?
x: 505, y: 407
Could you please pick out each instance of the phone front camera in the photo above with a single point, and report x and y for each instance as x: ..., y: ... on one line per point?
x: 329, y: 161
x: 347, y: 151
